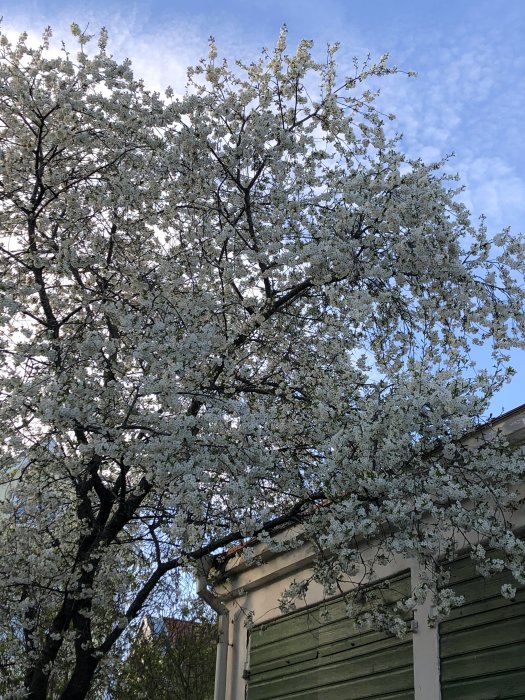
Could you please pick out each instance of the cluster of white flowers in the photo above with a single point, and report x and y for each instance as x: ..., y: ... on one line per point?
x: 444, y: 601
x: 383, y: 620
x: 295, y: 592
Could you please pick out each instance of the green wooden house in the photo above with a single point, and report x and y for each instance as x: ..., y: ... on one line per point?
x: 318, y: 653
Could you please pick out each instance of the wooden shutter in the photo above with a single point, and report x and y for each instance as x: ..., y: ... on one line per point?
x: 318, y: 654
x: 482, y: 644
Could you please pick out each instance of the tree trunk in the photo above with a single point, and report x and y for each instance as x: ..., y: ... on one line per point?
x: 80, y: 681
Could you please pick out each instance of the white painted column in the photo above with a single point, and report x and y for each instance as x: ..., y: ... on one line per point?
x: 425, y: 647
x: 238, y: 659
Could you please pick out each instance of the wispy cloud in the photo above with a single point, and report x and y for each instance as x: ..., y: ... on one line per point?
x: 468, y: 99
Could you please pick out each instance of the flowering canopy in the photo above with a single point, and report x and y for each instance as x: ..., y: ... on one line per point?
x: 218, y: 311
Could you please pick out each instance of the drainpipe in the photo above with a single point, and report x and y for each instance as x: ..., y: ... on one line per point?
x: 221, y: 663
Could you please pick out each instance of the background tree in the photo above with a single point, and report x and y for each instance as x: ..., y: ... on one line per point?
x: 174, y: 662
x: 218, y: 311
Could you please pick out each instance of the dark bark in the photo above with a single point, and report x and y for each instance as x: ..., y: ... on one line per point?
x: 80, y: 680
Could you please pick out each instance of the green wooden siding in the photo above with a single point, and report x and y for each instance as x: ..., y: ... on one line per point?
x: 318, y: 654
x: 482, y: 644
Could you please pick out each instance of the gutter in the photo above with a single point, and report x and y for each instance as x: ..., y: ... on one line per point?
x: 221, y: 662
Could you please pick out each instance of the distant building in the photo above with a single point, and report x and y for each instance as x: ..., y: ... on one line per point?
x: 172, y: 627
x: 170, y: 659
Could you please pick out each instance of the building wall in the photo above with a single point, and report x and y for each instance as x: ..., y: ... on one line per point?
x: 482, y: 643
x: 478, y: 653
x: 258, y: 589
x: 319, y: 653
x: 482, y: 649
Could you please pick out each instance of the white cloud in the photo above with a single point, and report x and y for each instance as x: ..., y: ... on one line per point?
x: 494, y: 189
x: 160, y: 58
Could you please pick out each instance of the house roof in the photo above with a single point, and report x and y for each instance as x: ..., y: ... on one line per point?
x: 173, y: 627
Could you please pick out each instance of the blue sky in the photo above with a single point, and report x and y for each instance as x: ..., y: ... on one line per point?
x: 468, y: 98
